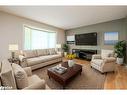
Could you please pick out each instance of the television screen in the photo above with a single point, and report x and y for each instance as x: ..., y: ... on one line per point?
x: 86, y: 39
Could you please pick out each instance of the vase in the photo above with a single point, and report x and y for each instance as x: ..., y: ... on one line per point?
x: 71, y: 63
x: 119, y: 61
x: 65, y: 54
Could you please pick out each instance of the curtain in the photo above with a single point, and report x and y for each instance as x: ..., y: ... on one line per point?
x: 39, y: 39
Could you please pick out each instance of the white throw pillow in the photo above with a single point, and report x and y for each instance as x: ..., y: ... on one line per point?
x: 20, y: 76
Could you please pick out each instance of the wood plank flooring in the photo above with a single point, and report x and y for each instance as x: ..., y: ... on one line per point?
x: 117, y: 80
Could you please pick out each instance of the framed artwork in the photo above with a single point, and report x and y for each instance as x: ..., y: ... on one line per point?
x: 110, y: 38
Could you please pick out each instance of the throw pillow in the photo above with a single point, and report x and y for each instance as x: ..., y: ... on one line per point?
x: 30, y: 53
x: 52, y: 51
x: 20, y: 76
x: 42, y: 52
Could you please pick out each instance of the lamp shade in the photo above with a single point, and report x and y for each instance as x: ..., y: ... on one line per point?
x: 58, y: 46
x: 13, y: 47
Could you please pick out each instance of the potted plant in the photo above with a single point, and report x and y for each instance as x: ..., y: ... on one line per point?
x: 70, y: 58
x: 65, y: 48
x: 120, y: 50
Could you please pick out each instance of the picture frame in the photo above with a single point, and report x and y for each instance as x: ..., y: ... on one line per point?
x: 111, y: 38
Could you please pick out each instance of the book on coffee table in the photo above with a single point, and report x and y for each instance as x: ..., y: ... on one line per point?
x: 59, y: 69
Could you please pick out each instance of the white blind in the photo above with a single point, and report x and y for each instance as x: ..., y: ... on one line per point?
x: 39, y: 39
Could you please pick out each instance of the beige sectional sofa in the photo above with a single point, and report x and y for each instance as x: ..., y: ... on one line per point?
x: 39, y: 58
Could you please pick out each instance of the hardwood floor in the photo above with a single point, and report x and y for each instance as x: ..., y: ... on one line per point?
x: 116, y: 80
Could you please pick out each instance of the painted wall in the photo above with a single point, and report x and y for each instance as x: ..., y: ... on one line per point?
x: 115, y: 25
x: 11, y: 31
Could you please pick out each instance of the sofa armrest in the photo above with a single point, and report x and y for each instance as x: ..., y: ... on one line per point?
x: 28, y: 71
x: 96, y: 56
x: 37, y: 85
x: 110, y: 59
x: 23, y: 61
x: 22, y: 58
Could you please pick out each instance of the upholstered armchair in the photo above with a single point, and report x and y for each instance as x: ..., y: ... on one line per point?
x: 16, y: 77
x: 104, y: 62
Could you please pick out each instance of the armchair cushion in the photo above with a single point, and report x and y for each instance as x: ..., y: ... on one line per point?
x: 20, y: 76
x: 98, y: 62
x: 109, y: 59
x: 35, y: 83
x: 38, y: 85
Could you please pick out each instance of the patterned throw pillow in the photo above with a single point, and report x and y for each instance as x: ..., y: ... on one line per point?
x: 20, y: 76
x: 52, y: 51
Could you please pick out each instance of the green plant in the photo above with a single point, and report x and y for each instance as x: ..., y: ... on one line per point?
x: 120, y: 49
x: 65, y: 47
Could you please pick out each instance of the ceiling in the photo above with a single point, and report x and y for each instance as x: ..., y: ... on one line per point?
x: 68, y: 17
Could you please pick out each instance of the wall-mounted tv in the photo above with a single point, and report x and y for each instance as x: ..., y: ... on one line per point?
x: 86, y: 39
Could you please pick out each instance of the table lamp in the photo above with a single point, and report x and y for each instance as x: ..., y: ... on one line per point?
x: 12, y: 48
x: 58, y: 46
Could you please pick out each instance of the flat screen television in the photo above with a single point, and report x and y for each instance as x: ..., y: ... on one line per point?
x: 86, y: 39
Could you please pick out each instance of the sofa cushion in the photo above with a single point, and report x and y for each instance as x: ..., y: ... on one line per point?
x: 55, y: 56
x: 7, y: 76
x: 98, y: 62
x: 42, y: 52
x: 30, y: 53
x: 52, y: 51
x: 20, y: 76
x: 40, y: 59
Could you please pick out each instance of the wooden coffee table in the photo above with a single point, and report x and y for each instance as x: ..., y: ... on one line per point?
x: 64, y: 78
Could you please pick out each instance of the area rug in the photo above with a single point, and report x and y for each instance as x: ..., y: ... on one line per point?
x: 89, y: 79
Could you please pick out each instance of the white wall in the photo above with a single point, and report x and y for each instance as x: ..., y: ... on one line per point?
x: 11, y: 31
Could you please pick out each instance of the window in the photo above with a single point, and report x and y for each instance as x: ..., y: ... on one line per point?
x: 39, y: 39
x: 110, y: 38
